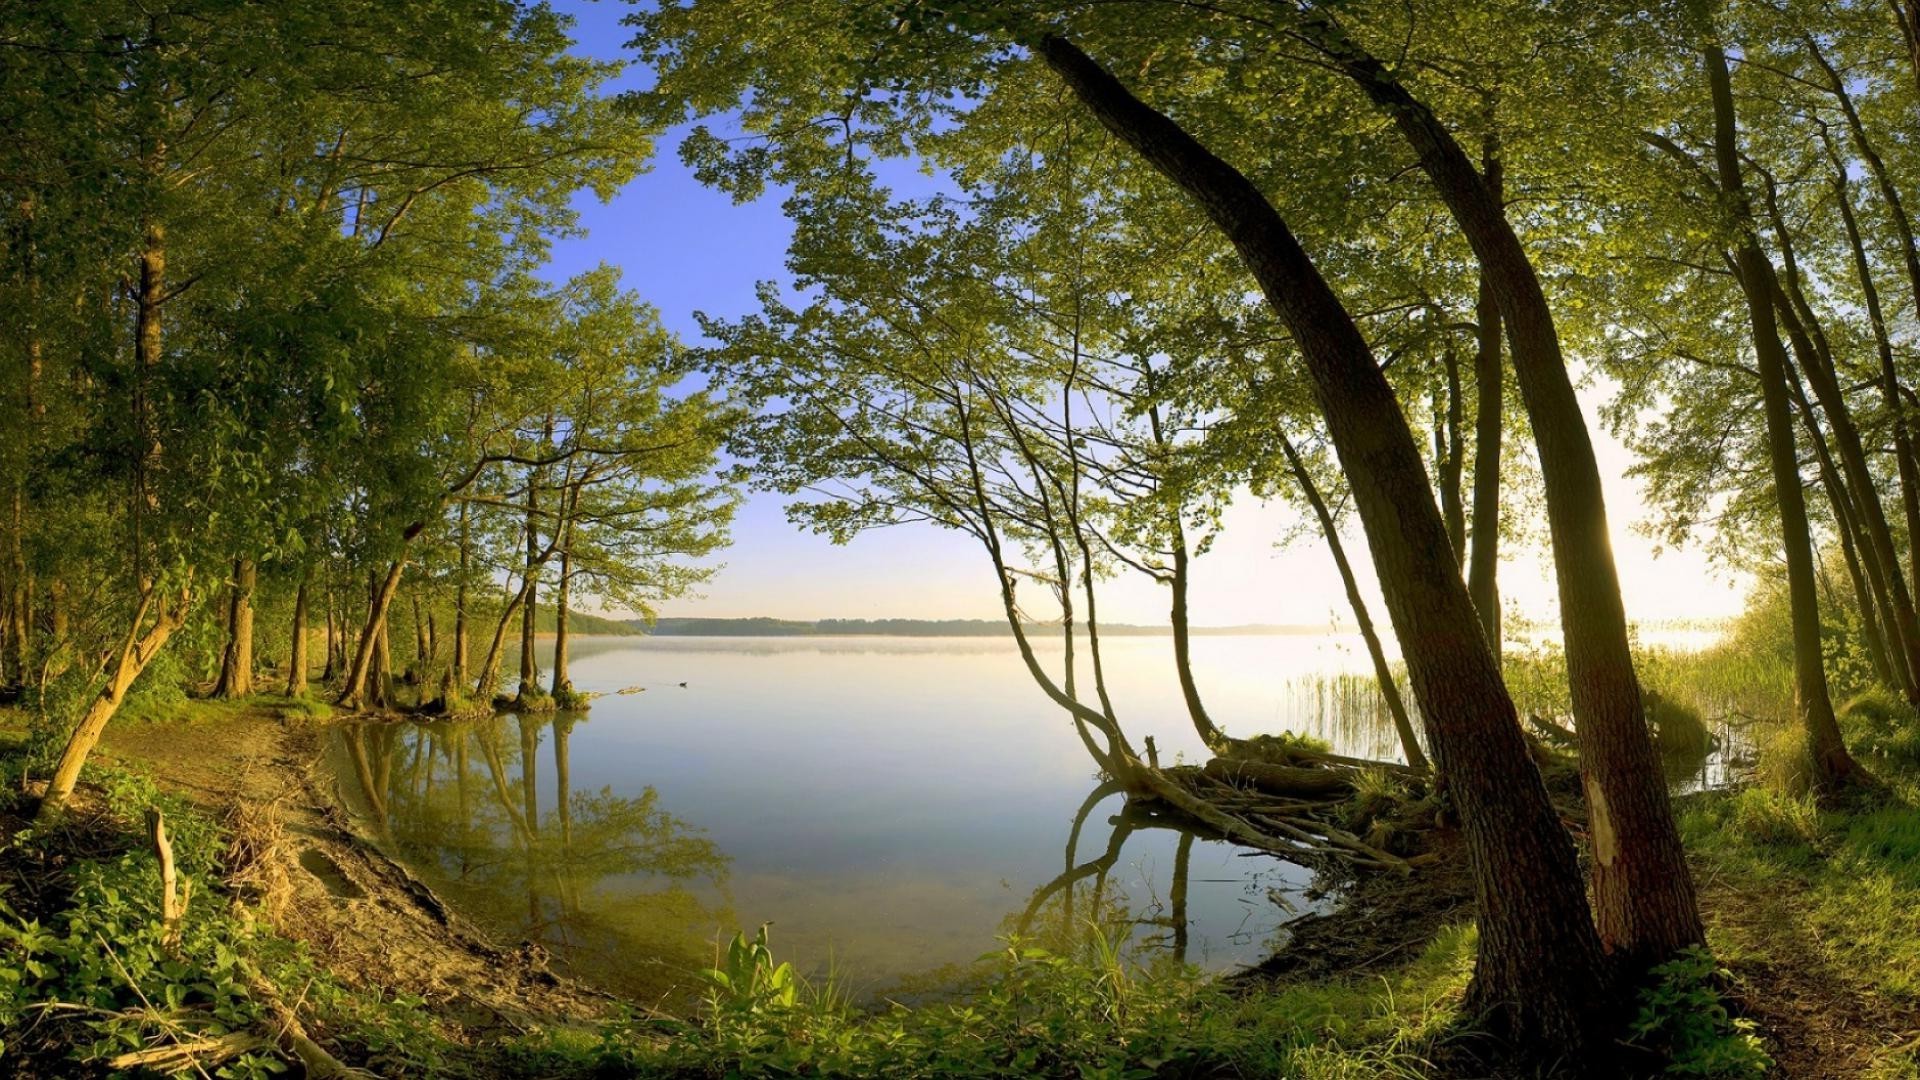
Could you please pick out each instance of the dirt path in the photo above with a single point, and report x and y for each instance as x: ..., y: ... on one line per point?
x: 369, y: 920
x: 1821, y: 1021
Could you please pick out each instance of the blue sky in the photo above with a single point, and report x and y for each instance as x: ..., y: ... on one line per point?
x: 687, y: 248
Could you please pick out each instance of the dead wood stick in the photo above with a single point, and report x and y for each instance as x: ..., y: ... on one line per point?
x: 175, y: 888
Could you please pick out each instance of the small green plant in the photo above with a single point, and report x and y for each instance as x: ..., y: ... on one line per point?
x: 1683, y: 1015
x: 748, y: 980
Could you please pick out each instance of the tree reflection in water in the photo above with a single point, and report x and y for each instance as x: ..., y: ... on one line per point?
x: 1083, y: 897
x: 616, y: 887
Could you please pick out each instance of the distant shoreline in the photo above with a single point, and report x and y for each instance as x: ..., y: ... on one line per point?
x: 681, y: 626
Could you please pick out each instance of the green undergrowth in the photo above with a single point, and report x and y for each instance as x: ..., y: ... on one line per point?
x: 87, y: 972
x: 1082, y: 1011
x: 1826, y: 892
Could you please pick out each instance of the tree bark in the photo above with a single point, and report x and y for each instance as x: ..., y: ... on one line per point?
x: 1382, y: 673
x: 353, y: 692
x: 1541, y: 975
x: 1450, y: 454
x: 1483, y: 561
x: 1832, y: 767
x: 1890, y: 387
x: 1643, y: 891
x: 135, y: 654
x: 562, y: 682
x: 1846, y: 523
x: 236, y: 664
x: 460, y: 629
x: 297, y: 658
x: 1210, y: 734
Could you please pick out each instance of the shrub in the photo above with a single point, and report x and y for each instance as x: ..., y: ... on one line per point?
x: 1682, y: 1015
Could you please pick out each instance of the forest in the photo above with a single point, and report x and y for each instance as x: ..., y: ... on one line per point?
x: 317, y: 477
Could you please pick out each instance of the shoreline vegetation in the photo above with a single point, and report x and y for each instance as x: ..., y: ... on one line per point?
x: 1814, y: 970
x: 304, y: 427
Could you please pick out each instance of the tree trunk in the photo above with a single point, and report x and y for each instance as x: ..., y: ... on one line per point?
x: 236, y: 664
x: 1450, y: 453
x: 460, y: 631
x: 333, y: 653
x: 1541, y: 975
x: 422, y: 655
x: 530, y: 604
x: 353, y: 691
x: 297, y: 658
x: 1890, y: 388
x: 1643, y: 892
x: 1210, y: 734
x: 1483, y: 562
x: 1382, y: 673
x: 1832, y: 767
x: 562, y: 682
x: 134, y: 656
x: 1846, y: 523
x: 490, y: 667
x: 19, y: 628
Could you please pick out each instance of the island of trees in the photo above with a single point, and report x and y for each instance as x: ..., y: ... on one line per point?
x: 291, y: 406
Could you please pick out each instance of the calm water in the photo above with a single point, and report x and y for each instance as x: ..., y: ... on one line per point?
x: 891, y: 805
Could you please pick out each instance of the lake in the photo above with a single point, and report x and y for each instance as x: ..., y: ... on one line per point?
x: 890, y: 805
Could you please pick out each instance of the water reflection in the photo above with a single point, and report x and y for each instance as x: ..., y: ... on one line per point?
x: 891, y: 805
x: 613, y: 885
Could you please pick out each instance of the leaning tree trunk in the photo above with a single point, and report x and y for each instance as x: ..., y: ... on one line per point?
x: 1846, y: 524
x: 1832, y: 767
x: 1643, y: 892
x: 297, y: 656
x: 353, y: 691
x: 1541, y: 975
x: 236, y: 664
x: 135, y: 654
x: 1382, y: 673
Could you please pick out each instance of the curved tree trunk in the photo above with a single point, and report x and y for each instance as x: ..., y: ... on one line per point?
x: 1540, y: 975
x: 135, y: 654
x: 1382, y: 673
x: 1643, y: 891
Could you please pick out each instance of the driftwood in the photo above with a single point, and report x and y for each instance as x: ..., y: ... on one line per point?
x: 1287, y: 780
x: 193, y: 1053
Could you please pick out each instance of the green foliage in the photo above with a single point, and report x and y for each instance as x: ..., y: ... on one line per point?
x: 1081, y: 1012
x: 1684, y: 1015
x: 92, y: 975
x: 748, y: 980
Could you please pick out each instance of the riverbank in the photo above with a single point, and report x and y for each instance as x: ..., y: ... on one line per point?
x: 294, y: 910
